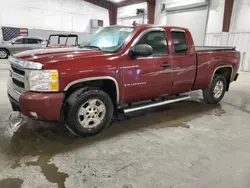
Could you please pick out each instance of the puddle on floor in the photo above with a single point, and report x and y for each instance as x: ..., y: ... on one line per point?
x: 11, y: 183
x: 50, y: 171
x: 218, y: 112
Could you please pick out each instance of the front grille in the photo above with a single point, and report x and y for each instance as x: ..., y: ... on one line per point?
x: 17, y: 77
x: 18, y: 71
x: 18, y: 83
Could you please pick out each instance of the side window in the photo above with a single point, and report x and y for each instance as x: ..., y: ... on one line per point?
x: 39, y: 40
x: 31, y: 41
x: 180, y: 42
x: 157, y: 40
x: 19, y: 41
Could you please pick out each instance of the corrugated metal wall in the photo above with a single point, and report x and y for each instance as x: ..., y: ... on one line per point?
x: 240, y: 39
x: 213, y: 39
x: 242, y: 42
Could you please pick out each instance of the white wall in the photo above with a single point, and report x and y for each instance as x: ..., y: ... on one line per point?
x: 161, y: 17
x: 186, y: 14
x: 215, y: 22
x: 58, y: 15
x: 215, y: 16
x: 241, y: 16
x: 239, y: 34
x: 127, y: 15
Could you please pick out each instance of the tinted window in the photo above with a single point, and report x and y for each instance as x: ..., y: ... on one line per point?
x: 157, y: 40
x: 31, y: 41
x: 180, y: 42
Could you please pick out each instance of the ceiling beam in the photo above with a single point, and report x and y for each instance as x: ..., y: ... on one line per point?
x: 101, y: 3
x: 129, y: 2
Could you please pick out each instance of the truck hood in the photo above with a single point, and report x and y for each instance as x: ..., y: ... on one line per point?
x: 52, y: 55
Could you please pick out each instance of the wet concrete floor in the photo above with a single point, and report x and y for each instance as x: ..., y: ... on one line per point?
x: 187, y: 144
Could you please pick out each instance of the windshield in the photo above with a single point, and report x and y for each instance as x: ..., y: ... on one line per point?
x: 109, y: 39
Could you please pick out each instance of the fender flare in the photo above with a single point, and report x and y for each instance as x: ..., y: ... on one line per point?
x: 222, y: 66
x: 96, y: 78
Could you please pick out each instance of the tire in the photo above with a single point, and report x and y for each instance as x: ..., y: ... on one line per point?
x: 88, y: 111
x: 212, y: 94
x: 4, y: 54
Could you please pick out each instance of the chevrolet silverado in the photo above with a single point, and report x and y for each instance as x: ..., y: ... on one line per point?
x: 116, y: 69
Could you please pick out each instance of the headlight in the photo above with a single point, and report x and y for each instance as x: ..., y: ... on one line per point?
x: 42, y: 80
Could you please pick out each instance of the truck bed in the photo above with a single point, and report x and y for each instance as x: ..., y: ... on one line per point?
x: 214, y: 48
x: 209, y: 58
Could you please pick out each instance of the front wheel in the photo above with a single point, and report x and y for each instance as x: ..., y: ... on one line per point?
x: 216, y: 91
x: 4, y: 54
x: 88, y: 111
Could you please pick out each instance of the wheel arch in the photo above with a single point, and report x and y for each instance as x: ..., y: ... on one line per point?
x: 225, y: 70
x: 95, y: 81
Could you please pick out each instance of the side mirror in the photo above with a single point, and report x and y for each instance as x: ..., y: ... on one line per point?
x: 142, y: 50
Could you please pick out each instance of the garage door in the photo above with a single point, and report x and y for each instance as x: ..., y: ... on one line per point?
x: 194, y: 19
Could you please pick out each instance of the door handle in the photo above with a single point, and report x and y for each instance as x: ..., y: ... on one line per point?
x: 165, y: 64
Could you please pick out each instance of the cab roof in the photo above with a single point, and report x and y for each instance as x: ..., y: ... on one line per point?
x: 146, y: 26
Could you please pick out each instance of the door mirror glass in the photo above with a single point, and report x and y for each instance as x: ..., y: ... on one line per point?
x: 141, y: 50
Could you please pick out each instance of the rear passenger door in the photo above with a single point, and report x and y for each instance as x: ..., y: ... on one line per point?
x: 17, y: 46
x: 31, y: 43
x: 183, y: 61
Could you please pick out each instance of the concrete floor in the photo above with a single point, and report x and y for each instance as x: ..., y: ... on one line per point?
x: 183, y: 145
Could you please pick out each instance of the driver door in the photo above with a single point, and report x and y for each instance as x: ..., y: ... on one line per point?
x: 148, y: 77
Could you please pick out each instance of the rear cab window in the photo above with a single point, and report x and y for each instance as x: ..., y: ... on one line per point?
x: 180, y: 42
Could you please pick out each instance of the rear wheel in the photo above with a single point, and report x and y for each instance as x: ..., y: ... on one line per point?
x: 216, y: 91
x: 4, y: 54
x: 89, y: 111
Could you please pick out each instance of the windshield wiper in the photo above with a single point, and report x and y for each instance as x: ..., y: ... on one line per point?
x: 90, y: 46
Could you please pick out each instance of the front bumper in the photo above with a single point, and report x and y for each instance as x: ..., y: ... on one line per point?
x: 41, y: 106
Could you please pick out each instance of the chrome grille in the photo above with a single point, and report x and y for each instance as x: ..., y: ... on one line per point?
x: 17, y: 75
x: 18, y: 71
x: 17, y: 80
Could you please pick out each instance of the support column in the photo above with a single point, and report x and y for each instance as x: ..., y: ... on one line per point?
x: 228, y: 9
x: 151, y: 11
x: 113, y: 15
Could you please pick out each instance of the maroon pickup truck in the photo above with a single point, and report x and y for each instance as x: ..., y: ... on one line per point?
x: 118, y: 67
